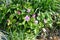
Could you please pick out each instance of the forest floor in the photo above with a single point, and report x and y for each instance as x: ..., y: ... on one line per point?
x: 48, y: 34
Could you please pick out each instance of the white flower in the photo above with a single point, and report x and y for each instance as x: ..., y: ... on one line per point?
x: 44, y: 30
x: 36, y: 22
x: 45, y: 21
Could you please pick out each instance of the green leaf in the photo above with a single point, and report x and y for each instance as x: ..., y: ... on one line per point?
x: 11, y: 16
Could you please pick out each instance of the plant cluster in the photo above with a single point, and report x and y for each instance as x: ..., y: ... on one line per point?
x: 24, y: 19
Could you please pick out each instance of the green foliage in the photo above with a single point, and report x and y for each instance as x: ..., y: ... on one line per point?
x: 44, y: 5
x: 18, y: 18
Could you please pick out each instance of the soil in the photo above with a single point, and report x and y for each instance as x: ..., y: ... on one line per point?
x: 48, y: 34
